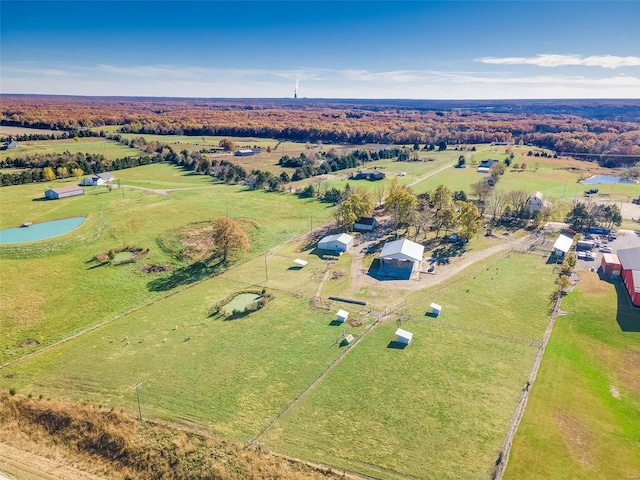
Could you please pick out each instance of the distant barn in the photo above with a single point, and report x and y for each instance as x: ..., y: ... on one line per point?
x: 630, y: 272
x: 367, y: 175
x: 63, y: 192
x: 336, y: 243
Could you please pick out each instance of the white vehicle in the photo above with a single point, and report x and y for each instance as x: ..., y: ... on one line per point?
x: 605, y: 249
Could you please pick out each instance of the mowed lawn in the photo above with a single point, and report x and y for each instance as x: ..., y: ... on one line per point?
x: 229, y: 375
x: 51, y: 288
x: 583, y: 416
x: 441, y: 407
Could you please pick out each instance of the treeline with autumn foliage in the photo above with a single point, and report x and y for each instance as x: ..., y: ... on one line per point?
x: 608, y: 140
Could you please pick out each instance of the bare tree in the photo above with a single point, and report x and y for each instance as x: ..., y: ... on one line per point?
x: 496, y: 203
x: 517, y: 201
x: 481, y: 189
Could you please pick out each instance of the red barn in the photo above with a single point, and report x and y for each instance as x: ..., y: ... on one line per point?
x: 630, y: 261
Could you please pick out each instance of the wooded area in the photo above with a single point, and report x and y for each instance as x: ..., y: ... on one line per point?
x: 604, y: 131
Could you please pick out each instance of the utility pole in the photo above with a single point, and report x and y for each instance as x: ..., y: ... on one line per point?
x: 138, y: 395
x: 266, y: 272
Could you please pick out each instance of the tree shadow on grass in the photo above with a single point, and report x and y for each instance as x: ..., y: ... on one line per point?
x: 187, y: 275
x: 448, y: 250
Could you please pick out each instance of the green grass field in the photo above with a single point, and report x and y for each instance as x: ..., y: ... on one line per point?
x: 48, y: 285
x: 583, y: 416
x: 95, y: 146
x: 439, y: 408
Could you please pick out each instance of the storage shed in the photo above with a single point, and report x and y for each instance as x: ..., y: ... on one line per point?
x: 435, y: 309
x: 366, y: 224
x: 63, y: 192
x: 336, y: 243
x: 347, y: 340
x: 562, y: 246
x: 342, y: 316
x: 611, y: 264
x: 402, y: 336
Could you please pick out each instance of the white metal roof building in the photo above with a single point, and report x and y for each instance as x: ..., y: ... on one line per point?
x: 562, y: 245
x: 342, y: 316
x: 337, y: 243
x: 403, y: 250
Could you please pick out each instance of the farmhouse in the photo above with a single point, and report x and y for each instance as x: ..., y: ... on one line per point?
x: 367, y: 175
x: 97, y: 179
x: 611, y: 265
x: 562, y: 246
x: 537, y: 202
x: 630, y: 272
x: 63, y: 192
x: 401, y: 259
x: 366, y: 224
x: 340, y: 242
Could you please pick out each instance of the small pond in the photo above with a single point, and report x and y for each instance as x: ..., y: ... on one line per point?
x: 240, y: 302
x: 123, y: 256
x: 40, y: 231
x: 606, y: 179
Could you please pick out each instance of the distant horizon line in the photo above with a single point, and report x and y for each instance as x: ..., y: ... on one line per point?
x: 325, y: 99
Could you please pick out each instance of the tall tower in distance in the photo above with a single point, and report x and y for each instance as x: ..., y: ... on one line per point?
x: 295, y: 92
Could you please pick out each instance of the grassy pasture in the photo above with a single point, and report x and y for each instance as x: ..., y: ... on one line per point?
x: 583, y: 415
x: 49, y: 286
x: 95, y: 146
x: 231, y: 375
x: 8, y: 131
x: 439, y: 408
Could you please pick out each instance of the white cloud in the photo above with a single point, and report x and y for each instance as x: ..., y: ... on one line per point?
x: 553, y: 60
x: 195, y: 81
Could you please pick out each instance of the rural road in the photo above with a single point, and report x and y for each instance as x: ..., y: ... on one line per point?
x: 435, y: 172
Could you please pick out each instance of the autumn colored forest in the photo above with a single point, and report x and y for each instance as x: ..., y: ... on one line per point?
x: 606, y: 131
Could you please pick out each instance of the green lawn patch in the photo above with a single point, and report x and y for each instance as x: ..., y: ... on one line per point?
x: 583, y: 416
x: 439, y: 408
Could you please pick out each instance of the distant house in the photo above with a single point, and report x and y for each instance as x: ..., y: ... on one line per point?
x: 537, y: 202
x: 336, y: 243
x: 401, y: 259
x: 487, y: 163
x: 247, y: 152
x: 370, y: 175
x: 562, y: 246
x: 402, y: 336
x: 63, y: 192
x: 365, y: 224
x: 630, y: 272
x: 97, y: 179
x: 9, y: 145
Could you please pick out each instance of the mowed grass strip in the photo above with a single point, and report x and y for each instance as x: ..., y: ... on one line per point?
x: 439, y: 408
x: 232, y: 376
x: 583, y: 415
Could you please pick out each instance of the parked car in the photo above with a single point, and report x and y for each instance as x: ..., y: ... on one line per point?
x: 589, y: 256
x: 606, y: 249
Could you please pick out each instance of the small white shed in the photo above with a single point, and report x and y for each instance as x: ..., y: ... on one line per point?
x: 402, y: 336
x: 342, y: 316
x: 347, y: 340
x: 300, y: 263
x: 336, y: 243
x: 435, y: 309
x: 562, y: 246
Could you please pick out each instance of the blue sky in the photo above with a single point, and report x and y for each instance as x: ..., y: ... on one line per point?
x: 332, y: 49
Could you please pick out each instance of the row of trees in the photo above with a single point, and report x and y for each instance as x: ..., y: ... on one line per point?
x: 439, y: 210
x: 586, y: 215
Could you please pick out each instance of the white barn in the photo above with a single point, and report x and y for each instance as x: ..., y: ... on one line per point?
x: 336, y: 243
x: 402, y: 336
x: 537, y: 202
x: 562, y: 246
x: 401, y: 259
